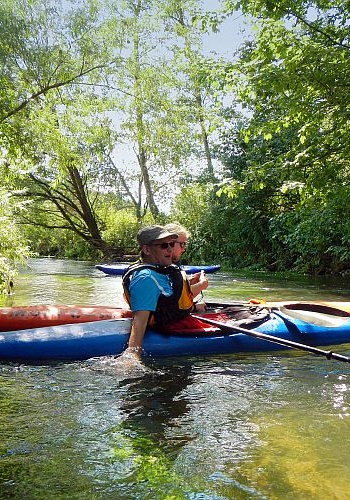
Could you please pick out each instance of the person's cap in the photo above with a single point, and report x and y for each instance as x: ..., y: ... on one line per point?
x: 153, y: 233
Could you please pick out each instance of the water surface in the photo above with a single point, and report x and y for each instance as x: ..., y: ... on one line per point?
x: 236, y: 426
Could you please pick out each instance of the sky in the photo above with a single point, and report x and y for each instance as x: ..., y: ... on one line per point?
x: 232, y: 32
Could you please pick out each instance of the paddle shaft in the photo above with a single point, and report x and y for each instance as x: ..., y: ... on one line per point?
x: 274, y: 340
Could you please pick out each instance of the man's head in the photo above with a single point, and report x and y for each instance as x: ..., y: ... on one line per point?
x: 156, y: 244
x: 180, y: 243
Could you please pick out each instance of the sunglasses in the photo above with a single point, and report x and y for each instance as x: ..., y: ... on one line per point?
x: 164, y: 245
x: 182, y: 244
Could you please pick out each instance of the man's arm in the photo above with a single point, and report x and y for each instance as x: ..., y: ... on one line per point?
x: 199, y: 283
x: 138, y: 328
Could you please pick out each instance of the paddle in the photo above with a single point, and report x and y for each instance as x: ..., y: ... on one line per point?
x: 275, y: 340
x: 223, y: 304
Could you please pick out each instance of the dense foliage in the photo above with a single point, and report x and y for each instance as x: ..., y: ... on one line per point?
x: 12, y: 247
x: 286, y: 205
x: 83, y: 80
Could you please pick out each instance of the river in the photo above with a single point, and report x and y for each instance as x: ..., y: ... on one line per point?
x: 225, y: 427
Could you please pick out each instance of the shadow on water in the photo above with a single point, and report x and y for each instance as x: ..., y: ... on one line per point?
x: 151, y: 392
x: 152, y: 405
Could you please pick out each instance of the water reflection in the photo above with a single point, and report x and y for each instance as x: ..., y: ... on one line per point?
x: 132, y: 423
x: 156, y: 401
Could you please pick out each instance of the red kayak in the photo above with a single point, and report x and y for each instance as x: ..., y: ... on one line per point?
x: 24, y: 317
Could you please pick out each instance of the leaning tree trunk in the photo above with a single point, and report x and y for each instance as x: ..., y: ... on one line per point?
x: 93, y: 236
x: 71, y: 203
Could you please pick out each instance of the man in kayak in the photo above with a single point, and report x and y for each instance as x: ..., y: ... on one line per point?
x: 156, y: 290
x: 198, y: 281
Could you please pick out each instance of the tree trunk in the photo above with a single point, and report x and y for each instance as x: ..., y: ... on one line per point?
x: 94, y: 235
x: 74, y: 209
x: 204, y: 135
x: 140, y: 128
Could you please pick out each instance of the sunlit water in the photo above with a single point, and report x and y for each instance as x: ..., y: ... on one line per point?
x: 225, y: 427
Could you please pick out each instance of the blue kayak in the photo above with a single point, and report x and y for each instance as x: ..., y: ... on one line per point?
x: 118, y: 269
x: 109, y: 337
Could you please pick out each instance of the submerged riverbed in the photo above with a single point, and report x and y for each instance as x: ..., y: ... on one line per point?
x: 236, y: 426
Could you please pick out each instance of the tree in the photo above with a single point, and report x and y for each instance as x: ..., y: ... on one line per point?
x: 13, y: 247
x: 47, y: 49
x: 149, y: 117
x: 81, y: 79
x: 54, y: 62
x: 293, y: 79
x: 193, y: 71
